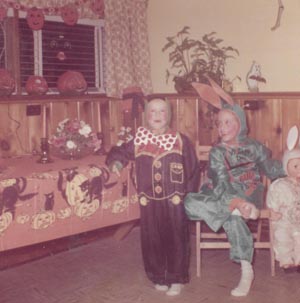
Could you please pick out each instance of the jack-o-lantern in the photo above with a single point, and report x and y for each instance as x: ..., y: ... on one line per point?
x: 5, y: 220
x: 36, y: 85
x: 69, y: 14
x: 64, y: 213
x: 97, y: 7
x: 71, y: 83
x: 84, y: 210
x: 74, y: 193
x: 22, y: 219
x: 43, y: 219
x: 3, y: 13
x: 7, y: 83
x: 35, y: 18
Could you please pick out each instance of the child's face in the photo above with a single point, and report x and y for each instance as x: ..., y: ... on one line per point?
x: 157, y: 115
x: 228, y: 126
x: 293, y: 168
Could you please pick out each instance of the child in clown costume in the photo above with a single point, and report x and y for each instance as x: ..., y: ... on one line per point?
x: 234, y: 192
x: 284, y: 199
x: 166, y: 169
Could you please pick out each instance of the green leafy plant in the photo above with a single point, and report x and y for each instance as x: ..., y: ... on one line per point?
x: 193, y: 59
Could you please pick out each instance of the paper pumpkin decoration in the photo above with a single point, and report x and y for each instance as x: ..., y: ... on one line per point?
x: 3, y: 13
x: 36, y: 85
x: 7, y: 83
x: 97, y: 7
x: 71, y: 83
x: 35, y: 18
x: 69, y: 14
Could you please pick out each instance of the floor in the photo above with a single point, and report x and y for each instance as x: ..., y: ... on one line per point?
x: 110, y: 271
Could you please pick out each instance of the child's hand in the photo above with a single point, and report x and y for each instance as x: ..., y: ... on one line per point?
x: 248, y: 210
x: 275, y: 216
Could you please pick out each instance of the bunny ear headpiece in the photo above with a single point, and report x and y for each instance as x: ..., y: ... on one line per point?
x: 212, y: 93
x: 292, y: 137
x: 293, y: 149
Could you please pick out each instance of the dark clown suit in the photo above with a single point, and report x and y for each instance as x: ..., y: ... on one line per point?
x: 166, y: 169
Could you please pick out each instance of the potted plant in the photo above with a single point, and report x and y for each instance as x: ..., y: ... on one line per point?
x: 192, y: 59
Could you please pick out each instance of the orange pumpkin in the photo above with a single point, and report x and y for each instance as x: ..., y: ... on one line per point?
x: 71, y: 83
x: 7, y: 83
x: 69, y: 14
x: 36, y: 85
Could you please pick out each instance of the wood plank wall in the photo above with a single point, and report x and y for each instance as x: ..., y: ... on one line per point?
x: 269, y: 115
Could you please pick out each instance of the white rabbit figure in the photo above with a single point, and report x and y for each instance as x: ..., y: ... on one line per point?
x: 283, y: 199
x: 254, y: 76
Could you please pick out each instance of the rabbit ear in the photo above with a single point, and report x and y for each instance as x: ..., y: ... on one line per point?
x: 208, y: 94
x: 292, y: 137
x: 220, y: 91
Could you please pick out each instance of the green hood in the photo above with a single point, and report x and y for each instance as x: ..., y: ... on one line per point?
x: 240, y: 114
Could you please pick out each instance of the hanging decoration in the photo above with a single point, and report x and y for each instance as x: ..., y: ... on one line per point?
x: 90, y: 9
x: 35, y: 18
x: 3, y: 13
x: 69, y: 14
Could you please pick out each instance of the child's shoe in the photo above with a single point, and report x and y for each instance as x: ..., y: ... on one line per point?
x: 174, y: 290
x: 161, y: 287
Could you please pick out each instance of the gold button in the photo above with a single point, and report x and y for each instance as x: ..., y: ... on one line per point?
x: 176, y: 199
x: 157, y: 164
x: 143, y: 201
x: 157, y: 177
x: 158, y: 189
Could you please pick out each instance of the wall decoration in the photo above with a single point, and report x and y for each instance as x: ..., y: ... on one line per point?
x: 36, y: 85
x: 254, y: 77
x: 7, y: 83
x: 3, y: 13
x: 97, y: 7
x: 71, y: 83
x: 69, y: 14
x: 279, y: 14
x: 35, y: 18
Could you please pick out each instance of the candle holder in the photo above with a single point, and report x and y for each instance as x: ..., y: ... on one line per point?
x: 45, y: 158
x: 101, y: 151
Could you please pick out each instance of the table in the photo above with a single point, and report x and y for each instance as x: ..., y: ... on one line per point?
x: 42, y: 202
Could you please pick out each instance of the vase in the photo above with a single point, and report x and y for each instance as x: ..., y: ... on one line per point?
x: 72, y: 153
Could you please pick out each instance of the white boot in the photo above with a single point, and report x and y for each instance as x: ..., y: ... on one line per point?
x: 247, y: 277
x: 161, y: 287
x: 175, y: 289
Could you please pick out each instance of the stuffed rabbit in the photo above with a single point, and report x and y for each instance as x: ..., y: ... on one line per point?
x: 284, y: 200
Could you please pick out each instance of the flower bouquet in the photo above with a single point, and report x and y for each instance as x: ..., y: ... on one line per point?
x: 74, y: 139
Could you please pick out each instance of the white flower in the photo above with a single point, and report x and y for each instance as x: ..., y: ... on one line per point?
x: 71, y: 144
x: 85, y: 130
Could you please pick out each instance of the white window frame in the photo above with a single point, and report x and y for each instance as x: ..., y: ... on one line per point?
x: 98, y: 45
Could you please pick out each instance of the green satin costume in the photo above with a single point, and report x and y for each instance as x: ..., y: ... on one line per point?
x: 234, y: 172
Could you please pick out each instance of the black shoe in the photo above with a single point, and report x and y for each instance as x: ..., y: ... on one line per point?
x: 290, y: 270
x: 298, y: 269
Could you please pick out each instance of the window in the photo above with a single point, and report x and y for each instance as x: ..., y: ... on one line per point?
x: 58, y: 48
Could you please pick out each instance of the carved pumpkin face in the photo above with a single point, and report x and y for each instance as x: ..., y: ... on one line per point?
x: 5, y: 220
x: 43, y: 219
x: 64, y: 213
x: 35, y: 18
x: 71, y: 83
x: 3, y: 13
x: 98, y: 8
x: 36, y: 85
x: 84, y: 210
x: 69, y: 14
x: 7, y: 83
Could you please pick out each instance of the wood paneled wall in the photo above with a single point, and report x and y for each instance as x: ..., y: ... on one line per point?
x: 269, y: 115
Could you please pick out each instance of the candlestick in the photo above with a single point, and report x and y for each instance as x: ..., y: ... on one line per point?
x: 45, y: 158
x: 44, y: 122
x: 99, y: 117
